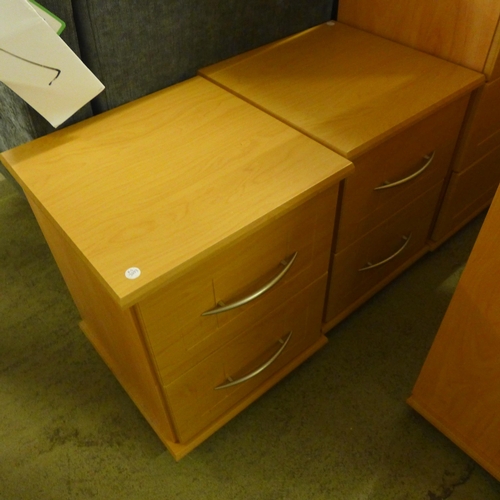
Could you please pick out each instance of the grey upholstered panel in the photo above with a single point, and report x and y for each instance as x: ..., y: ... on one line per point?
x: 15, y: 123
x: 136, y: 47
x: 19, y: 123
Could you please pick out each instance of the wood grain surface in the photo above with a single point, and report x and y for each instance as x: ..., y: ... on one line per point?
x: 346, y: 88
x: 162, y: 182
x: 460, y: 31
x: 457, y: 387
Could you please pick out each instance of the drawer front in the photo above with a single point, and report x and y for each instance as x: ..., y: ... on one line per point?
x: 360, y: 267
x: 492, y: 66
x: 409, y: 164
x: 194, y: 401
x: 180, y: 335
x: 481, y: 128
x: 468, y: 193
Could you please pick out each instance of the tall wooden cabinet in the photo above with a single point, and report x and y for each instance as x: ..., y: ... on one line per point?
x: 465, y: 32
x: 457, y: 389
x: 395, y: 112
x: 460, y: 31
x: 194, y: 233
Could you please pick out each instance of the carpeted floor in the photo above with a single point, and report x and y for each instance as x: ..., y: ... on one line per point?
x: 336, y: 428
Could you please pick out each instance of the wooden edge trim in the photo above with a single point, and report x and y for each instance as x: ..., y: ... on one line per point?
x: 453, y: 436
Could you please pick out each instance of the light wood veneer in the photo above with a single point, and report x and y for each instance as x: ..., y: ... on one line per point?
x: 468, y: 193
x: 388, y: 108
x: 476, y: 167
x: 348, y: 89
x: 430, y: 141
x: 180, y: 336
x: 466, y: 32
x: 460, y: 31
x: 206, y: 195
x: 395, y: 240
x: 193, y: 399
x: 482, y: 128
x: 205, y: 154
x: 457, y: 389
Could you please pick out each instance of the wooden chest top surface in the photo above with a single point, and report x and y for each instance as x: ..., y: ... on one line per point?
x: 161, y: 182
x: 344, y: 87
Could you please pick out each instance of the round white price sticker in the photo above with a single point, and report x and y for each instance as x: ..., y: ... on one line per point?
x: 132, y: 273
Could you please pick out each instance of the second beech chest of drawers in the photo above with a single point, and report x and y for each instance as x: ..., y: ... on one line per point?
x: 394, y: 111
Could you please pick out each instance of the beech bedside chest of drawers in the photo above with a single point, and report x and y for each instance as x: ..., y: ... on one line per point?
x: 393, y: 111
x: 194, y: 233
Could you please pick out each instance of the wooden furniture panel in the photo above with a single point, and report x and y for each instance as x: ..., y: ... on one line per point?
x: 172, y: 319
x: 359, y: 270
x: 492, y: 67
x: 477, y: 163
x: 467, y: 194
x: 428, y: 144
x: 193, y: 398
x: 383, y: 105
x: 481, y: 132
x: 168, y: 205
x: 112, y: 331
x: 346, y: 88
x: 460, y: 31
x: 457, y: 389
x: 181, y: 173
x: 468, y: 33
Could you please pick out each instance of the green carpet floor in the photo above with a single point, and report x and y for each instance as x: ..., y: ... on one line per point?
x: 336, y: 428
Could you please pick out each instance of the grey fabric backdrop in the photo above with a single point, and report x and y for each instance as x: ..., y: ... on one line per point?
x: 19, y: 123
x: 136, y: 47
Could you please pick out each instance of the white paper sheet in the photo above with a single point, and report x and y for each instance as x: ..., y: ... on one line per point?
x: 51, y: 19
x: 38, y: 66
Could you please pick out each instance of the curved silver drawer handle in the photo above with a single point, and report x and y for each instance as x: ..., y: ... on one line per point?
x: 369, y: 265
x: 222, y: 307
x: 428, y: 160
x: 232, y: 382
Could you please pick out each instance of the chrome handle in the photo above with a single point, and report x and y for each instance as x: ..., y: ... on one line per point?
x: 232, y: 382
x: 369, y: 265
x: 222, y: 307
x: 388, y: 184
